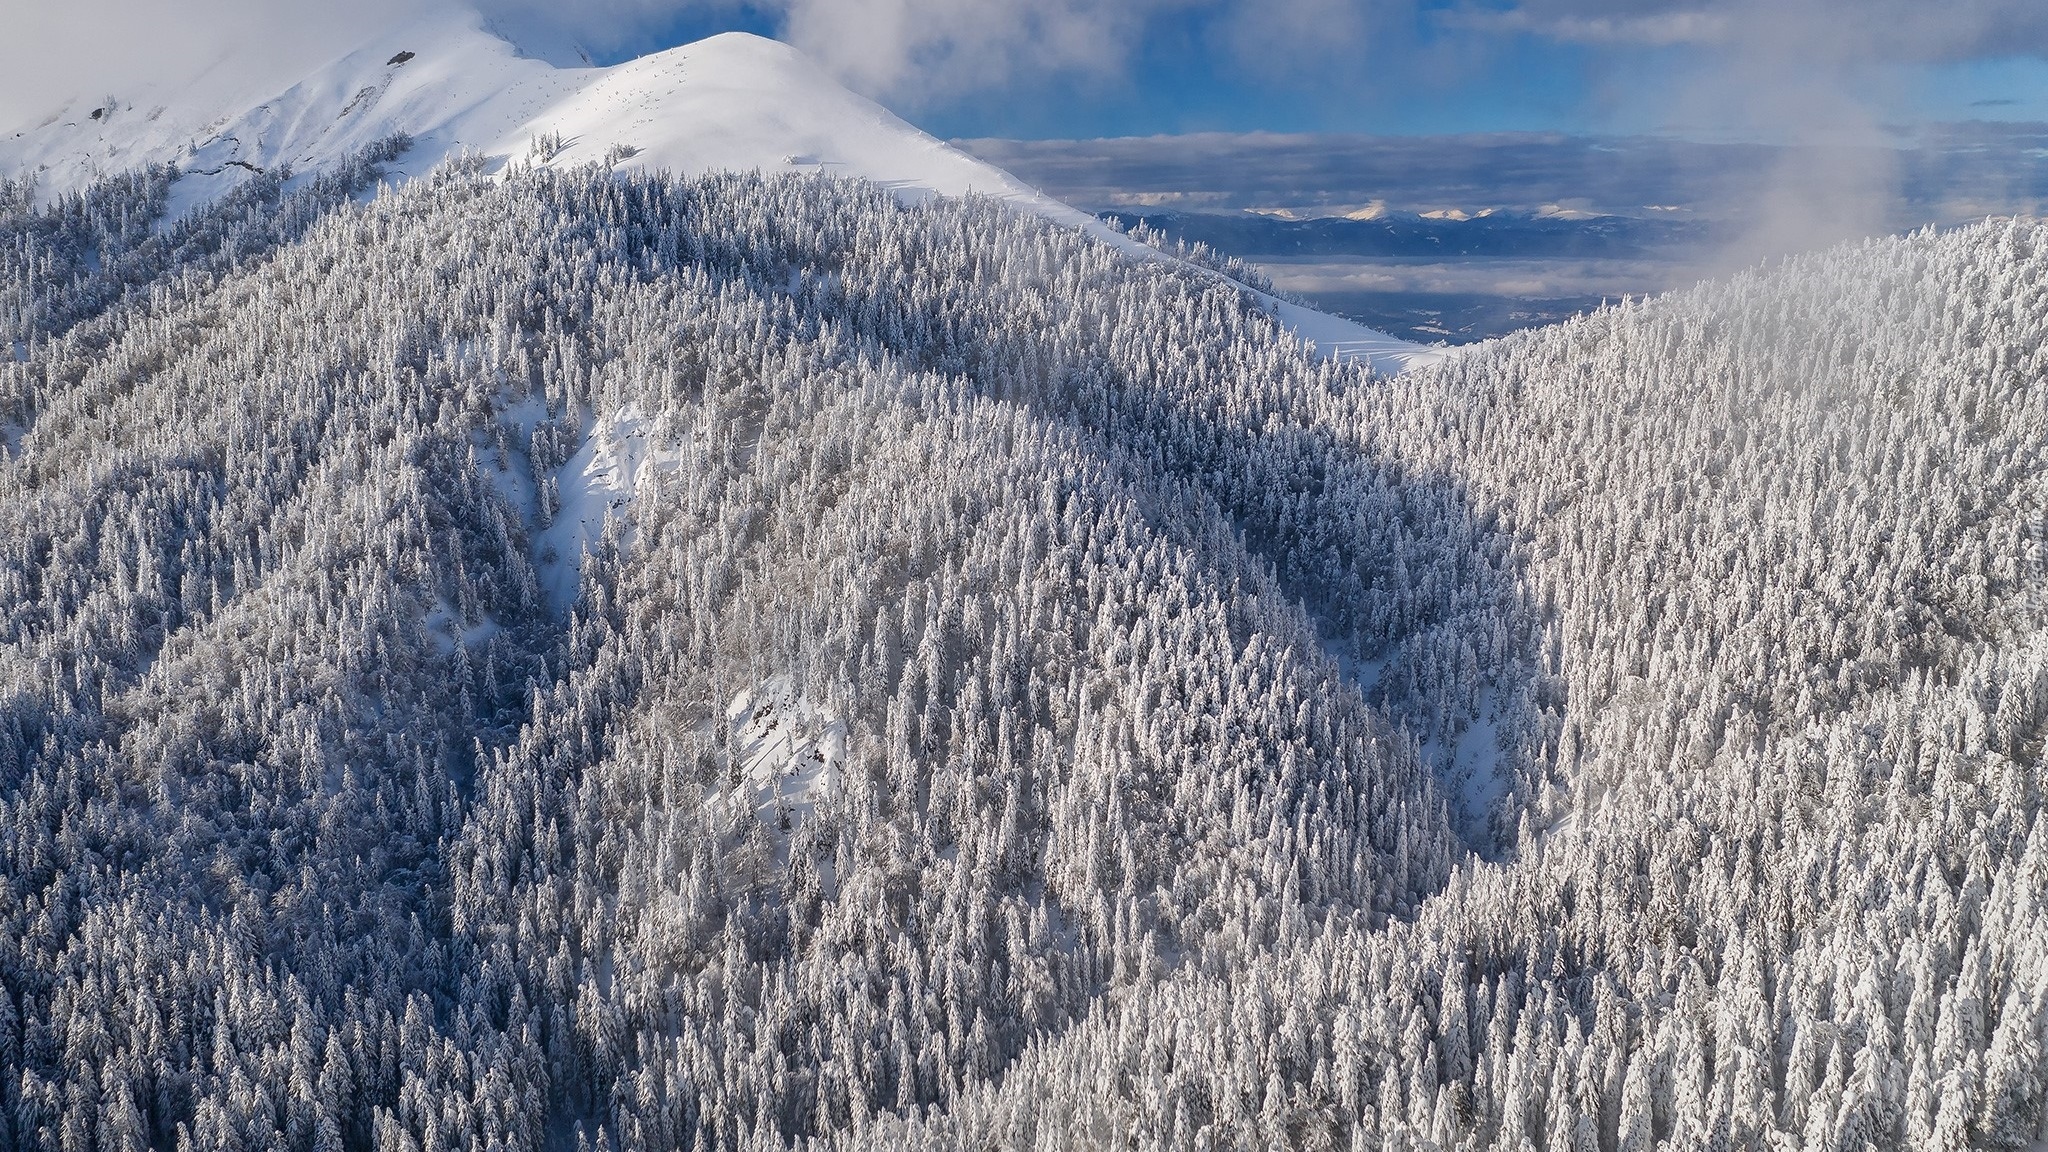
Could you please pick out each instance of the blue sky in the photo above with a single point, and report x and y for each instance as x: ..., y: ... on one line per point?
x: 1176, y: 80
x: 1382, y: 67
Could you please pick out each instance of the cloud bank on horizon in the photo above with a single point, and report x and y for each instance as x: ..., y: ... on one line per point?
x: 1950, y: 175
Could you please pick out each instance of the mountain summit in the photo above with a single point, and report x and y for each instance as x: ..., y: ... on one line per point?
x: 733, y: 102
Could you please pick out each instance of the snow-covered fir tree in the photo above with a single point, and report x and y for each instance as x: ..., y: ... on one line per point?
x: 580, y: 661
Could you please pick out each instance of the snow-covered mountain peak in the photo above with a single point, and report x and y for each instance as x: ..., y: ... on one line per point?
x: 738, y: 102
x: 730, y: 102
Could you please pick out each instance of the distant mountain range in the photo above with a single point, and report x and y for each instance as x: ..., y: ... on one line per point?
x: 1254, y: 236
x: 1452, y: 278
x: 1946, y: 174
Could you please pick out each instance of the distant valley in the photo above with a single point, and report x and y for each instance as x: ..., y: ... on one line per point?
x: 1455, y: 280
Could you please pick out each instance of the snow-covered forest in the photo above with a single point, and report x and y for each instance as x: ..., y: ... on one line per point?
x: 582, y: 661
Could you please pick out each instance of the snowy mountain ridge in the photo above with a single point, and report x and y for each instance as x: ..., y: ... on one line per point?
x: 731, y: 102
x: 572, y: 659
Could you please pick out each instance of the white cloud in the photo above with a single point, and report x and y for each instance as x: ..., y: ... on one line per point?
x: 919, y: 51
x: 926, y: 49
x: 913, y: 52
x: 923, y: 51
x: 917, y: 47
x: 1863, y: 29
x: 1652, y: 29
x: 54, y: 53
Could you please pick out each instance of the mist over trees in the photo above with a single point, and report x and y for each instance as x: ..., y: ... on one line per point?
x: 1001, y: 693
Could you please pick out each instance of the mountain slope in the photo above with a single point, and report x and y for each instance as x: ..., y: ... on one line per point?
x: 547, y: 657
x: 730, y: 103
x: 1781, y: 547
x: 1005, y: 694
x: 255, y: 515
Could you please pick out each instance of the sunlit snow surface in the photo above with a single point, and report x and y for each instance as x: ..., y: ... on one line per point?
x: 618, y: 459
x: 732, y: 102
x: 617, y: 462
x: 788, y: 750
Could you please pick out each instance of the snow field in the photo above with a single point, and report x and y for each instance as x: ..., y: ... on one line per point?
x: 731, y: 102
x: 788, y: 753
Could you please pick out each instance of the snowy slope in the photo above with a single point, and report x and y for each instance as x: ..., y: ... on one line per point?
x: 732, y: 102
x: 789, y: 751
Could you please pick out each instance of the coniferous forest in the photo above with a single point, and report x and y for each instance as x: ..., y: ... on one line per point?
x: 572, y: 661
